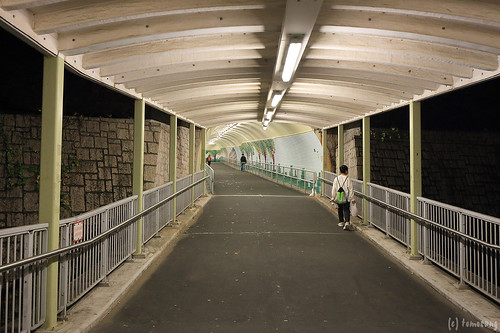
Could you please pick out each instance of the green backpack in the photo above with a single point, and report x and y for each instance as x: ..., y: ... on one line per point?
x: 341, y: 197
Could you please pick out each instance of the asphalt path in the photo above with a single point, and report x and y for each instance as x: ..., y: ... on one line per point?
x: 265, y: 258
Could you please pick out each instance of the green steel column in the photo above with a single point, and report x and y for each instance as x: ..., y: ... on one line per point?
x: 172, y: 163
x: 203, y: 162
x: 325, y: 156
x: 366, y: 165
x: 340, y: 147
x: 138, y: 165
x: 415, y: 172
x: 191, y: 157
x: 50, y: 174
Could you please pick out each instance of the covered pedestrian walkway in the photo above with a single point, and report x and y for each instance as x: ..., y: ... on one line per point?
x: 265, y: 258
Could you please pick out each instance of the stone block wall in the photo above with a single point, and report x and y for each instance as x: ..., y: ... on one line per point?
x: 332, y: 140
x: 182, y: 151
x: 197, y: 149
x: 97, y: 156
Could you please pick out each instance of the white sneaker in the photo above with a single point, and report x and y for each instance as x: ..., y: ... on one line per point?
x: 346, y: 225
x: 341, y: 224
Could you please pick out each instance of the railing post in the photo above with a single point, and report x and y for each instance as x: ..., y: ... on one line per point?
x: 324, y: 133
x: 138, y: 167
x: 462, y: 251
x: 387, y: 213
x: 172, y: 166
x: 27, y: 284
x: 105, y: 245
x: 64, y: 274
x: 425, y: 233
x: 415, y: 173
x: 191, y: 158
x: 50, y: 174
x: 203, y: 162
x: 366, y: 165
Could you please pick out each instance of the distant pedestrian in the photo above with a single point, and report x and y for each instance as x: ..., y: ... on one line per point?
x: 209, y: 159
x: 243, y: 161
x: 343, y: 195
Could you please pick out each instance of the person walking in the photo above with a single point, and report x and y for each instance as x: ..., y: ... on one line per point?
x: 209, y: 159
x: 343, y: 195
x: 243, y: 161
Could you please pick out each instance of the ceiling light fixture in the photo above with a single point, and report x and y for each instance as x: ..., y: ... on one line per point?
x: 276, y: 98
x: 291, y: 60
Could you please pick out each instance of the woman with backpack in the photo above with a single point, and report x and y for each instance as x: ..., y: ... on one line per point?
x: 343, y: 195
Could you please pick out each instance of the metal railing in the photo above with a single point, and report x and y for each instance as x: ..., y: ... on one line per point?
x: 210, y: 184
x: 464, y: 243
x: 92, y: 245
x: 159, y: 218
x: 299, y: 178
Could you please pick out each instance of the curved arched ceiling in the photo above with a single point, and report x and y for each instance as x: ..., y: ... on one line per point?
x: 211, y: 62
x: 235, y: 134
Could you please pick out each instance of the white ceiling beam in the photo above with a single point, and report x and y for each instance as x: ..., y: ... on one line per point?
x: 340, y: 40
x: 188, y: 59
x: 193, y: 70
x: 228, y: 119
x: 393, y: 90
x: 180, y: 88
x: 205, y: 103
x: 368, y: 75
x: 361, y: 83
x: 396, y: 71
x: 412, y: 27
x: 179, y: 47
x: 24, y: 4
x: 255, y: 95
x: 206, y: 91
x: 344, y: 91
x: 84, y: 14
x: 173, y: 26
x: 478, y: 11
x: 337, y: 103
x: 333, y: 96
x: 302, y: 119
x: 391, y: 59
x: 319, y: 110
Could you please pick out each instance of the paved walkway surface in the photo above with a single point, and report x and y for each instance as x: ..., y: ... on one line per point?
x: 264, y: 258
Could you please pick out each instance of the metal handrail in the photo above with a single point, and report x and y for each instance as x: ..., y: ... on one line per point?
x: 418, y: 218
x: 86, y: 243
x: 277, y: 173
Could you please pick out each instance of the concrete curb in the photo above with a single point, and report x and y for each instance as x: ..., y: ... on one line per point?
x: 94, y: 306
x: 486, y: 311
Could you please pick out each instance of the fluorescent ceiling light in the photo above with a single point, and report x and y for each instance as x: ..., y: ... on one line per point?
x: 276, y: 99
x: 266, y: 123
x: 269, y: 115
x: 291, y: 60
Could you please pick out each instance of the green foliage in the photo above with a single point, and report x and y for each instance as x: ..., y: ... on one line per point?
x: 387, y: 134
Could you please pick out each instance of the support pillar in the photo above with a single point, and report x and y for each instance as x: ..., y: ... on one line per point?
x: 415, y: 173
x: 325, y: 156
x: 172, y: 164
x: 366, y: 165
x: 191, y: 158
x: 50, y: 174
x: 340, y: 159
x: 138, y: 166
x: 203, y: 152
